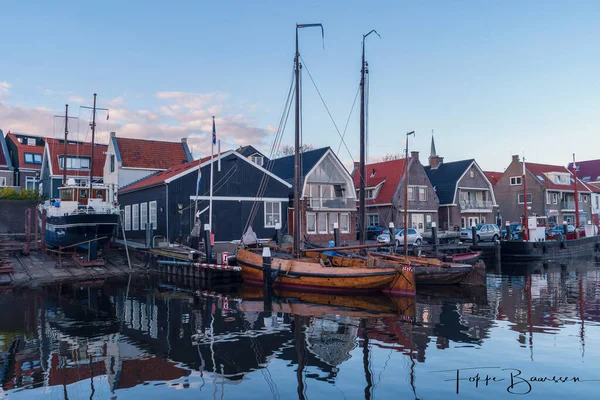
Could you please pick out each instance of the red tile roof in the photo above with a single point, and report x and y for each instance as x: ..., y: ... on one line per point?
x: 585, y: 169
x: 142, y: 153
x: 493, y: 176
x: 539, y: 170
x: 56, y: 149
x: 388, y: 172
x: 23, y: 148
x: 162, y: 176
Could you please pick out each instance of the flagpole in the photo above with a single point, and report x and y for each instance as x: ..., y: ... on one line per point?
x: 212, y: 152
x: 196, y: 218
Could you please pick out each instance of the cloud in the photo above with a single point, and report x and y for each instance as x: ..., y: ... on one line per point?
x: 4, y: 88
x: 177, y: 115
x: 76, y: 99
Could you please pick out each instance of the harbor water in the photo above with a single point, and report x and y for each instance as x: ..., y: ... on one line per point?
x: 531, y: 331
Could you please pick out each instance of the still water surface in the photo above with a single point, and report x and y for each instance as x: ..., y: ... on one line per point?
x: 144, y: 338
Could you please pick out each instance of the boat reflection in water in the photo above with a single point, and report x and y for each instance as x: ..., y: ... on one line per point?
x: 140, y: 337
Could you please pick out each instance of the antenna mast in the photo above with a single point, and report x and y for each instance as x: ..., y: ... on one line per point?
x: 64, y: 167
x: 93, y: 125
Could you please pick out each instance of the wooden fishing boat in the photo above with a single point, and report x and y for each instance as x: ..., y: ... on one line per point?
x: 320, y: 272
x: 470, y: 257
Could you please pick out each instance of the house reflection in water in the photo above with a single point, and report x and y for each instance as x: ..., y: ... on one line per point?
x: 114, y: 336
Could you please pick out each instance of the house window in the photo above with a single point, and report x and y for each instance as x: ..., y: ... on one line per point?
x: 136, y: 217
x: 373, y: 219
x: 311, y: 223
x: 370, y: 193
x: 143, y: 215
x: 153, y: 219
x: 31, y: 158
x: 515, y: 180
x: 583, y: 198
x: 345, y: 223
x: 112, y: 163
x: 472, y: 173
x: 554, y: 198
x: 83, y: 193
x: 272, y: 214
x: 30, y: 142
x: 74, y: 162
x: 333, y: 219
x: 548, y: 197
x: 322, y: 222
x: 411, y: 193
x: 463, y: 222
x: 422, y: 194
x: 127, y: 218
x: 529, y: 198
x: 30, y: 182
x: 258, y: 160
x: 2, y: 181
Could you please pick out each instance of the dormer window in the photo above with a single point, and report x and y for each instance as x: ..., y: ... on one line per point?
x: 30, y: 142
x: 373, y: 173
x: 257, y: 159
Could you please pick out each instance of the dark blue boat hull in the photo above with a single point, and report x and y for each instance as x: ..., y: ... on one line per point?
x: 72, y: 229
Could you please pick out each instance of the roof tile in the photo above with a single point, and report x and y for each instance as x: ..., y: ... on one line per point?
x: 56, y: 149
x: 154, y: 154
x: 387, y: 172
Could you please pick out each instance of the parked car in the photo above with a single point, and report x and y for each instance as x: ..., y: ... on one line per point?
x: 414, y: 237
x: 557, y: 231
x: 489, y: 232
x: 515, y: 231
x: 372, y: 232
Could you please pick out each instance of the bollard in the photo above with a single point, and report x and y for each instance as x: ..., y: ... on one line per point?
x: 565, y: 229
x: 474, y: 235
x: 392, y: 237
x: 508, y: 233
x: 148, y: 229
x: 267, y: 279
x: 434, y: 238
x: 278, y: 234
x: 207, y: 246
x: 336, y: 235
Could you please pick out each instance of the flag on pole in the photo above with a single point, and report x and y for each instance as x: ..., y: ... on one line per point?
x: 523, y: 166
x: 214, y: 132
x: 199, y: 179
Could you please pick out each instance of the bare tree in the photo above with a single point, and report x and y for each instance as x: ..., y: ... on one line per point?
x: 390, y: 157
x: 288, y: 150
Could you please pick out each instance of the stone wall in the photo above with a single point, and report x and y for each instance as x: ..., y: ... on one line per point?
x: 12, y: 215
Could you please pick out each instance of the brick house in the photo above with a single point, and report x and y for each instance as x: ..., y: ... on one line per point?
x: 26, y: 152
x: 6, y: 168
x: 589, y: 173
x: 327, y: 195
x: 385, y: 193
x: 129, y: 159
x: 465, y: 193
x: 550, y: 193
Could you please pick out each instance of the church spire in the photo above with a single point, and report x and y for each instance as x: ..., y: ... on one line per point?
x: 433, y: 152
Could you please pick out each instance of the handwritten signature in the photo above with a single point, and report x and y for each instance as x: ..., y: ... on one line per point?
x: 513, y: 378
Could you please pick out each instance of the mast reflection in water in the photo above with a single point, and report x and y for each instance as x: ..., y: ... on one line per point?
x: 140, y: 337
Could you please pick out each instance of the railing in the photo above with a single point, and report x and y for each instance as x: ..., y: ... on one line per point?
x: 475, y: 204
x: 567, y: 205
x: 330, y: 202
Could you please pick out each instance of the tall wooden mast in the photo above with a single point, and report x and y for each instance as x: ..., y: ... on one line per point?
x: 363, y: 156
x: 93, y: 125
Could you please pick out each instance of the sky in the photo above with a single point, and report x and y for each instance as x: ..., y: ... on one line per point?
x: 491, y: 79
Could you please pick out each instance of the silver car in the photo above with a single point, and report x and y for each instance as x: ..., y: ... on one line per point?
x: 489, y: 232
x: 414, y: 237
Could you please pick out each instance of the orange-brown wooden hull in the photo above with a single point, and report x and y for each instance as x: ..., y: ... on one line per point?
x: 310, y: 274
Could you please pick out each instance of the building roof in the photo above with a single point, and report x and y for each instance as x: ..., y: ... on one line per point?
x: 539, y: 171
x: 24, y: 148
x: 445, y: 177
x: 249, y: 150
x: 587, y: 171
x: 153, y: 154
x: 4, y: 157
x: 284, y: 167
x: 493, y: 176
x: 56, y: 149
x: 387, y: 173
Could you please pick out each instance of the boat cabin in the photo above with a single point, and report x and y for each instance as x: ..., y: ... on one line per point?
x: 81, y: 194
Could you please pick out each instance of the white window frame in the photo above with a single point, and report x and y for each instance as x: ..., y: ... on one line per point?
x: 143, y: 215
x: 324, y: 215
x: 548, y: 198
x: 272, y: 213
x: 259, y: 160
x: 347, y: 227
x: 308, y: 228
x: 30, y: 180
x: 30, y: 142
x: 516, y: 180
x: 411, y: 193
x: 424, y: 189
x: 528, y: 195
x: 555, y: 198
x: 127, y: 216
x: 153, y: 217
x: 375, y: 216
x: 135, y: 217
x: 2, y: 181
x: 333, y: 218
x: 472, y: 173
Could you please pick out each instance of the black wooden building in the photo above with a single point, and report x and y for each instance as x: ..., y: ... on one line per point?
x: 167, y: 200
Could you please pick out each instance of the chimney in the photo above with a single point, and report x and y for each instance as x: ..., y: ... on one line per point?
x: 515, y: 158
x: 113, y: 134
x: 415, y: 155
x: 435, y: 161
x: 184, y: 140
